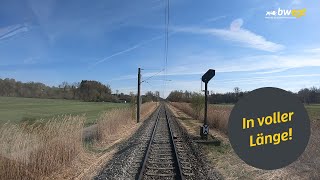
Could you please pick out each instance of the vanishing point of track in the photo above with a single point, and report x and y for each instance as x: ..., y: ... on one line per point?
x: 161, y: 159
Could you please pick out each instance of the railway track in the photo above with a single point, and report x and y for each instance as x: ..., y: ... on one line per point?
x: 158, y: 150
x: 164, y: 158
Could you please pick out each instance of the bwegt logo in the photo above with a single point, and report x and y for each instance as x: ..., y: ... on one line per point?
x: 286, y: 13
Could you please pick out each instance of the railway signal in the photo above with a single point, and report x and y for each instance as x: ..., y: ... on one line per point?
x: 204, y: 130
x: 208, y: 75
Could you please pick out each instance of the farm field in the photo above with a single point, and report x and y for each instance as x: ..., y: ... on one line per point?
x: 313, y: 111
x: 16, y: 109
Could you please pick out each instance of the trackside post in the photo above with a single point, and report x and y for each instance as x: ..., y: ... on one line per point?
x: 204, y: 130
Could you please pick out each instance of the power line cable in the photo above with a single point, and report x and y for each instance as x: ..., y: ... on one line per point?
x: 148, y: 83
x: 153, y: 76
x: 166, y: 49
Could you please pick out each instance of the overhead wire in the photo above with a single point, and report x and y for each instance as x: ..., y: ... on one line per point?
x: 153, y: 75
x: 148, y: 83
x: 166, y: 48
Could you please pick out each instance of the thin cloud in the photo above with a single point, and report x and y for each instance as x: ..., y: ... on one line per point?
x: 126, y: 77
x: 314, y: 50
x: 31, y: 60
x: 267, y: 64
x: 272, y: 71
x: 215, y: 19
x: 145, y: 42
x: 10, y: 31
x: 266, y: 78
x: 237, y: 34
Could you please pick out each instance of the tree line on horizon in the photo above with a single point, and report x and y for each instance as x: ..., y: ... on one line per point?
x: 306, y: 95
x: 94, y: 91
x: 86, y: 90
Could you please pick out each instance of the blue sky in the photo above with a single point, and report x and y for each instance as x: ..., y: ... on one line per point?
x: 54, y: 41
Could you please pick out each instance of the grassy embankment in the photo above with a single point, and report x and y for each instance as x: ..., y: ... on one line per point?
x: 53, y: 148
x: 225, y: 160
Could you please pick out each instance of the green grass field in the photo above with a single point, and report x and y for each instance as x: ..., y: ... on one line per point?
x: 15, y: 109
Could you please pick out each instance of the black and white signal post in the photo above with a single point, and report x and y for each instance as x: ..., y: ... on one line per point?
x: 206, y: 78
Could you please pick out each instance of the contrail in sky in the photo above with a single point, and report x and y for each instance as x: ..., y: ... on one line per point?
x: 143, y: 43
x: 108, y: 58
x: 13, y: 30
x: 127, y: 50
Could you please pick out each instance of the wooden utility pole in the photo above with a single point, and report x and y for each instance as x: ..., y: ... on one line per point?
x: 138, y: 96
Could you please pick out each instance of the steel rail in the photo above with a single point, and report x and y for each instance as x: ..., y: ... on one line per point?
x: 149, y: 147
x: 180, y: 173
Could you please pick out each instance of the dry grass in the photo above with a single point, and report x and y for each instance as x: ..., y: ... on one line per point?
x: 305, y: 168
x: 35, y: 151
x: 218, y: 116
x: 185, y: 107
x: 55, y: 149
x: 112, y: 124
x: 147, y: 109
x: 308, y: 164
x: 231, y: 166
